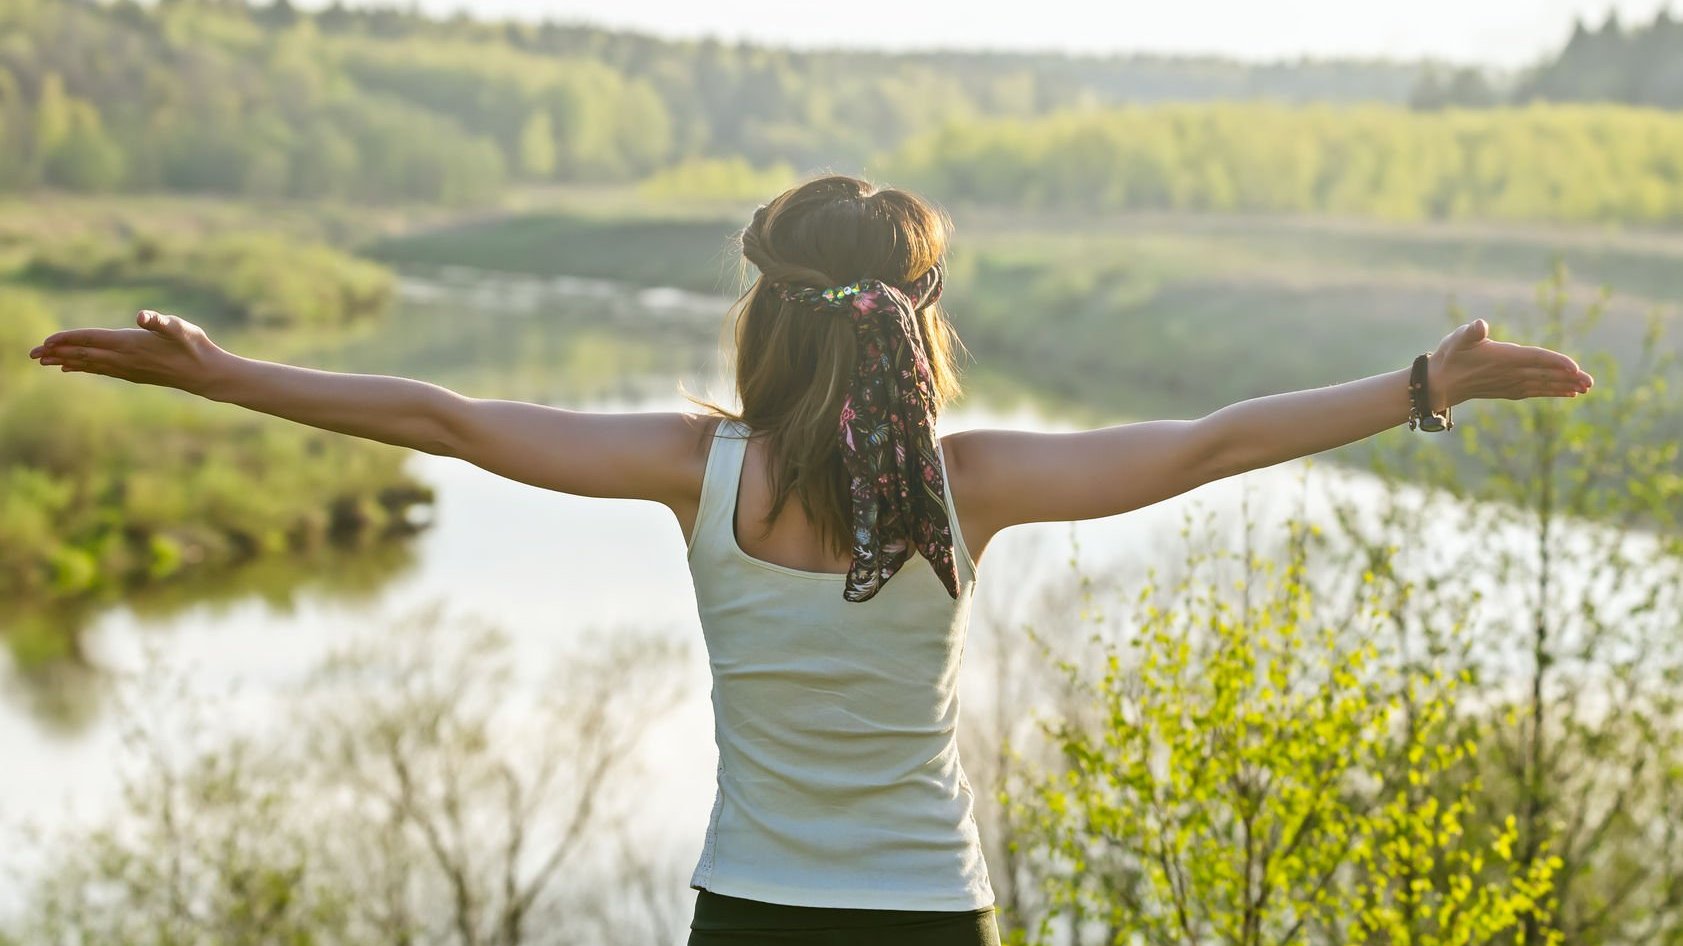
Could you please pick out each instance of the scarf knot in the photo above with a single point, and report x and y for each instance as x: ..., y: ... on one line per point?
x: 887, y: 434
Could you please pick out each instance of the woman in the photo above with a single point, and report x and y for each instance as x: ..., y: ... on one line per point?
x: 842, y: 813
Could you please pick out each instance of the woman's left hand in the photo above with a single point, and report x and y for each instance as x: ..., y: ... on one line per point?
x: 1468, y: 364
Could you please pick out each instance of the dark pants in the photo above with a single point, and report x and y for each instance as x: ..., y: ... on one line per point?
x: 733, y: 921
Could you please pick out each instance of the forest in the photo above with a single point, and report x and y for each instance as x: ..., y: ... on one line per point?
x: 379, y: 104
x: 383, y: 105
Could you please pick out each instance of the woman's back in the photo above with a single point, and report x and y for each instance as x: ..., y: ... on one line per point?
x: 839, y: 782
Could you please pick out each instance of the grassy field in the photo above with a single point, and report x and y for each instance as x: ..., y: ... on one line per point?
x: 689, y: 254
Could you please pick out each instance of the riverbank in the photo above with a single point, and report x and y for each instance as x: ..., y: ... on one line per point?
x: 107, y: 486
x: 1159, y: 314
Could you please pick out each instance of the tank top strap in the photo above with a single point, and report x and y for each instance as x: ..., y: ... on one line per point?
x: 714, y: 526
x: 719, y: 483
x: 965, y: 565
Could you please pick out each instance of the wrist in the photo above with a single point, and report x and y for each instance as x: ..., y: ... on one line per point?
x: 218, y: 377
x: 1441, y: 387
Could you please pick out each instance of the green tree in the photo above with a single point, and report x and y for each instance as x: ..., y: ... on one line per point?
x: 645, y: 129
x: 1254, y: 767
x: 54, y: 120
x: 1465, y: 87
x: 537, y: 146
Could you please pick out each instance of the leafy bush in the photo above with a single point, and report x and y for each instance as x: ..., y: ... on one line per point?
x: 119, y: 484
x: 255, y: 277
x: 1255, y: 766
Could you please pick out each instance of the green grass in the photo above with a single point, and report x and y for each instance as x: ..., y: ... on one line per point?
x: 106, y: 485
x: 693, y: 254
x: 1638, y: 264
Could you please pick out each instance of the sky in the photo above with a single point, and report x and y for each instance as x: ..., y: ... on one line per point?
x: 1499, y: 33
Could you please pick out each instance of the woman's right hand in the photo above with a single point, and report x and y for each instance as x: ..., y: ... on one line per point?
x: 165, y: 350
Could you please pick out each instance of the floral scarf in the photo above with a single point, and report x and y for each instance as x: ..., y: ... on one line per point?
x: 887, y: 432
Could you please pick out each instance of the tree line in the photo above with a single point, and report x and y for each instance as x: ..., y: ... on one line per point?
x: 223, y: 96
x: 378, y: 104
x: 1610, y: 63
x: 1539, y: 162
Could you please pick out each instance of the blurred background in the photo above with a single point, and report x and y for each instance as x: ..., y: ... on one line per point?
x: 267, y: 684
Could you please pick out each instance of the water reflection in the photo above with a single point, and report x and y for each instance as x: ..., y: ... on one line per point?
x: 53, y: 680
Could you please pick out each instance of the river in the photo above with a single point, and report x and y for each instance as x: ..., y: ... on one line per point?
x: 548, y: 568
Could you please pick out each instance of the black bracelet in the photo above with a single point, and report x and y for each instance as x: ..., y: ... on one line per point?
x: 1420, y: 413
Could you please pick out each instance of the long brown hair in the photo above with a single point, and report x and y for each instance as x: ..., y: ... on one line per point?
x: 793, y: 366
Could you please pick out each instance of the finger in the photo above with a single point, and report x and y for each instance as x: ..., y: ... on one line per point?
x: 85, y: 337
x: 68, y: 356
x: 1559, y: 361
x: 69, y: 352
x: 169, y: 326
x: 1549, y: 378
x: 1568, y: 378
x: 1470, y: 333
x: 1557, y: 365
x: 94, y: 361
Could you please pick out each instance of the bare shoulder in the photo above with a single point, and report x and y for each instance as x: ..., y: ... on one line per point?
x: 655, y: 455
x: 678, y: 442
x: 981, y: 461
x: 985, y: 466
x: 967, y: 454
x: 692, y: 439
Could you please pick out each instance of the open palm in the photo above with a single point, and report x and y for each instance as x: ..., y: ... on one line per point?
x: 1469, y: 364
x: 165, y: 350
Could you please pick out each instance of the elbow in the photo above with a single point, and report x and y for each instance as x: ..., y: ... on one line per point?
x: 439, y: 447
x: 1223, y: 452
x: 1223, y: 466
x: 446, y: 425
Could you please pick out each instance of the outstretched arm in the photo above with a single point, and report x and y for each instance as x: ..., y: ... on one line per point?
x: 636, y: 456
x: 1016, y: 476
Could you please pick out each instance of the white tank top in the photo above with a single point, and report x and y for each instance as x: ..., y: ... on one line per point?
x: 839, y: 782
